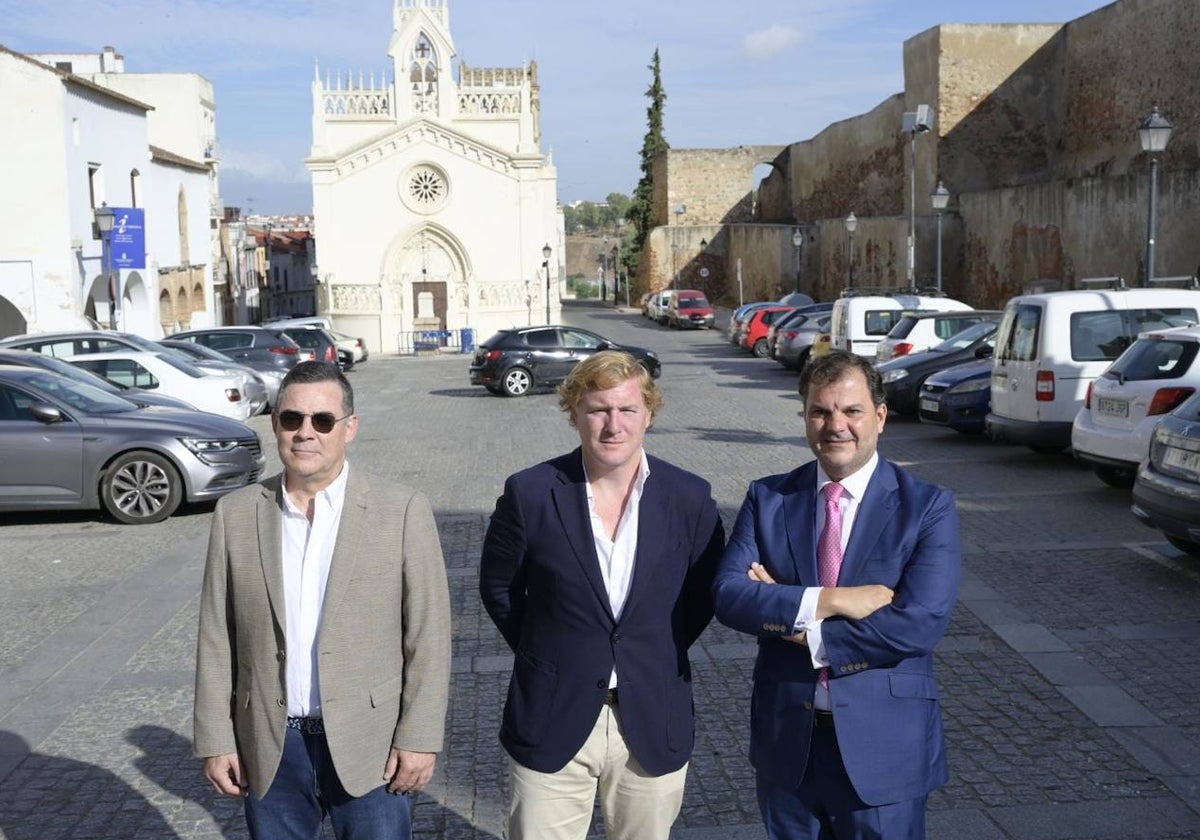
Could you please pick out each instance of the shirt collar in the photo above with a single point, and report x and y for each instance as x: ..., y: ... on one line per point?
x: 639, y: 483
x: 854, y: 484
x: 332, y: 497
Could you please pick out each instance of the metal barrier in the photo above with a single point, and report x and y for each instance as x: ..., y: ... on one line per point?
x: 414, y: 342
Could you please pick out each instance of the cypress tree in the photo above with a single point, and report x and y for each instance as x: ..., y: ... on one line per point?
x: 641, y: 209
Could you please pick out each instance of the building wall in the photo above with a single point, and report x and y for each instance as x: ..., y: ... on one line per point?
x: 176, y: 274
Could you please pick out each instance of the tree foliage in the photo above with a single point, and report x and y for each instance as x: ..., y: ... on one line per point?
x: 589, y: 217
x: 653, y: 144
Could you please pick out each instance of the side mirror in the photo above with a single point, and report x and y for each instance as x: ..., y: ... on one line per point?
x: 46, y: 413
x: 984, y: 352
x: 606, y: 345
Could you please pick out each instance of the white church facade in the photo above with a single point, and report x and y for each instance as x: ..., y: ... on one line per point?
x: 433, y: 201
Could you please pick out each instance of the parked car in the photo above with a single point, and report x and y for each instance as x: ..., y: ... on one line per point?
x: 80, y: 342
x: 644, y: 304
x: 250, y: 345
x: 137, y: 396
x: 796, y: 299
x: 299, y: 321
x: 257, y: 387
x: 958, y: 397
x: 795, y: 317
x: 689, y: 308
x: 1112, y: 430
x: 657, y: 310
x: 1166, y: 492
x: 513, y: 361
x: 757, y: 324
x: 1052, y: 345
x: 861, y: 321
x: 904, y: 375
x: 320, y: 345
x: 214, y: 392
x: 356, y: 347
x: 68, y: 445
x: 916, y: 332
x: 794, y: 343
x: 737, y: 319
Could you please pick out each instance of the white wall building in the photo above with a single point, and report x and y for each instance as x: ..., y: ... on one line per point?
x: 432, y: 197
x: 69, y: 147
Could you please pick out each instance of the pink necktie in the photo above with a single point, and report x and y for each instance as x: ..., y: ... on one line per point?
x: 829, y: 549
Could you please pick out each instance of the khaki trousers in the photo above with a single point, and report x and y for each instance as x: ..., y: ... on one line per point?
x: 558, y: 806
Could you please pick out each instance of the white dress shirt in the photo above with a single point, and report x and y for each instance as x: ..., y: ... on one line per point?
x: 854, y: 488
x: 617, y: 555
x: 307, y: 554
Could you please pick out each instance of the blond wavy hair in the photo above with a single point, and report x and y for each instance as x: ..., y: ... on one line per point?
x: 607, y: 369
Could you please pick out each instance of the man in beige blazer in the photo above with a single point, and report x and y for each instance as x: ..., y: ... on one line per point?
x: 323, y: 660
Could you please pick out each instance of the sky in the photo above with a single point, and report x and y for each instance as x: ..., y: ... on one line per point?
x: 747, y: 72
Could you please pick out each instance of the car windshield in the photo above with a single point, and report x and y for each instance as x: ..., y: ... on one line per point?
x: 967, y: 337
x: 198, y: 351
x: 1153, y: 358
x: 693, y: 303
x: 142, y: 343
x: 80, y: 395
x: 180, y: 365
x: 85, y: 377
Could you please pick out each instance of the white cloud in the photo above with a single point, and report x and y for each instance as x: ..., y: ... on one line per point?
x: 263, y: 165
x: 767, y: 43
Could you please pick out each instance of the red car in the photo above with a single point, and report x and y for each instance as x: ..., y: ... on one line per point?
x: 759, y: 321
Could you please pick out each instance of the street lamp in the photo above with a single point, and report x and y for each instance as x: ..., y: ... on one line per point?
x: 104, y: 225
x: 940, y: 197
x: 798, y: 243
x: 914, y: 123
x: 546, y: 267
x: 270, y: 279
x: 1155, y: 133
x: 603, y: 269
x: 851, y: 226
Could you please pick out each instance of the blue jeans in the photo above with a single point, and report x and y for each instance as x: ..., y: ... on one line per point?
x: 306, y: 789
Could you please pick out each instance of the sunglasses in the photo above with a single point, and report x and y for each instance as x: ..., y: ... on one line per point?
x: 322, y: 421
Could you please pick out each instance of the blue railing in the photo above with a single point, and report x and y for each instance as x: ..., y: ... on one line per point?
x: 433, y: 341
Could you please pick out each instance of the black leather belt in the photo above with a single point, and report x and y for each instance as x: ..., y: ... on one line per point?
x: 822, y: 719
x: 610, y: 697
x: 307, y: 725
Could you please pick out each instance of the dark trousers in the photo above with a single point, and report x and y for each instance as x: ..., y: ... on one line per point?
x: 306, y: 789
x: 825, y: 806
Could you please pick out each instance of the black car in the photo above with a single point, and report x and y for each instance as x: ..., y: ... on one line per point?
x: 904, y: 375
x: 1166, y: 493
x: 321, y: 344
x: 515, y: 360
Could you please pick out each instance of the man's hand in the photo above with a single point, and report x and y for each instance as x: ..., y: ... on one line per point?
x: 225, y: 773
x: 406, y: 771
x: 853, y: 601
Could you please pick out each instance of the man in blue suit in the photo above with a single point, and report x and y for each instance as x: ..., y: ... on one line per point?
x: 597, y: 569
x: 846, y: 569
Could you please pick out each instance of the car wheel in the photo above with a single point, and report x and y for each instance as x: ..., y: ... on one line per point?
x: 1114, y: 476
x: 139, y: 488
x: 802, y: 359
x: 1186, y: 546
x: 516, y: 382
x: 760, y: 349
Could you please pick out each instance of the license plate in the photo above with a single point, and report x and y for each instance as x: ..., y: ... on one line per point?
x: 1112, y: 408
x: 1182, y: 459
x: 930, y: 406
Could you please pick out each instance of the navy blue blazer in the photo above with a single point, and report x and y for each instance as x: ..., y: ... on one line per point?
x: 885, y: 700
x: 540, y: 581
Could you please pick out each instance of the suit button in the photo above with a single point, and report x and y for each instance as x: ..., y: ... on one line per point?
x: 616, y: 637
x: 281, y: 656
x: 601, y: 683
x: 808, y: 705
x: 279, y: 702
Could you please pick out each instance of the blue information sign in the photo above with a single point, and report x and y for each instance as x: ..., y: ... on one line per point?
x: 128, y: 240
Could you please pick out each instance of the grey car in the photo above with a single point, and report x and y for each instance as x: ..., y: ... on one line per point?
x: 259, y: 387
x: 794, y: 342
x: 267, y: 345
x: 28, y: 358
x: 1166, y: 492
x: 67, y: 445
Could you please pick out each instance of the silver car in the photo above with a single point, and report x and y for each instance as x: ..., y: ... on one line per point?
x: 794, y: 342
x: 68, y: 445
x: 260, y: 387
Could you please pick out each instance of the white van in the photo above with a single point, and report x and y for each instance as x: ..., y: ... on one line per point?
x: 1051, y: 346
x: 861, y: 321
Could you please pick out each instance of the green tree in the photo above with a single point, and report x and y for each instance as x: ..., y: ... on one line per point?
x: 654, y: 143
x: 618, y: 207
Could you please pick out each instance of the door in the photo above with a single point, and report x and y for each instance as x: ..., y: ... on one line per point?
x: 429, y: 301
x: 42, y: 461
x: 1015, y: 365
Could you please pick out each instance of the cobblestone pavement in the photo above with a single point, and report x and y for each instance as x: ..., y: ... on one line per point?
x: 1069, y: 674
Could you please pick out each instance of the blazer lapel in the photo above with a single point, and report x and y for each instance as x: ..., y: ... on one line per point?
x: 270, y: 544
x: 346, y: 549
x: 876, y: 508
x: 654, y: 536
x: 799, y: 523
x: 570, y: 502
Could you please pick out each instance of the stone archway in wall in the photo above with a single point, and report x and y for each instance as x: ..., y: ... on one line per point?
x: 137, y: 310
x: 97, y: 305
x: 12, y: 322
x: 426, y: 282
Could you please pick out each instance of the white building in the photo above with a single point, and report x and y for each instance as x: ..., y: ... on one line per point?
x: 432, y: 197
x: 70, y: 146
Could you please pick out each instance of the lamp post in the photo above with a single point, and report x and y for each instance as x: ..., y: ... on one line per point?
x: 851, y: 226
x: 940, y: 197
x: 703, y: 268
x: 603, y: 269
x: 270, y: 279
x: 797, y: 243
x: 104, y: 225
x: 546, y: 267
x: 914, y: 123
x: 1155, y: 133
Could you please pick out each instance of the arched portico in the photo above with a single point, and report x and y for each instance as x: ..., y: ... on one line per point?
x: 426, y: 281
x: 12, y: 322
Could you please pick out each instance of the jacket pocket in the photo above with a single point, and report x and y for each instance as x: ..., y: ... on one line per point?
x: 386, y: 691
x: 915, y: 686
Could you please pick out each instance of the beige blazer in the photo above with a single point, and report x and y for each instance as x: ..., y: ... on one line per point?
x: 384, y: 645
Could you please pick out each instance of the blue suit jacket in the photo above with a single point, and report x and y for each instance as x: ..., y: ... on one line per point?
x: 540, y: 581
x: 885, y: 701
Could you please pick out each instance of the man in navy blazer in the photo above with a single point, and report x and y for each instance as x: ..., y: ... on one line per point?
x: 597, y: 569
x: 855, y: 753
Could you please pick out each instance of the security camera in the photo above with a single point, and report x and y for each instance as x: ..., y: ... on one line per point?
x: 918, y: 121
